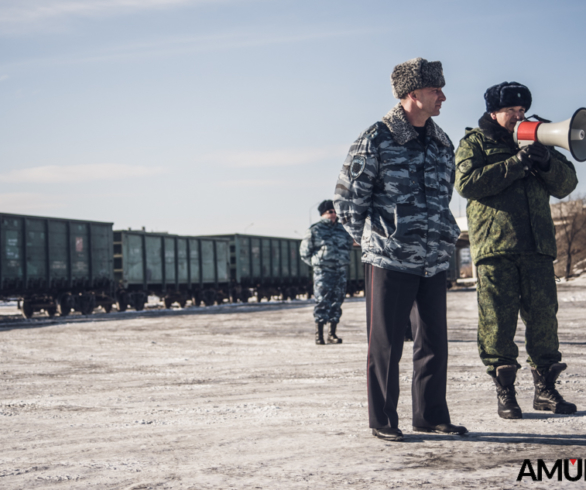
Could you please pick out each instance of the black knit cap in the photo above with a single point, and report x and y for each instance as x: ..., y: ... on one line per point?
x: 325, y: 206
x: 507, y: 94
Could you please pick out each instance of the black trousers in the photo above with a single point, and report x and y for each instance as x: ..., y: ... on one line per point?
x: 389, y: 298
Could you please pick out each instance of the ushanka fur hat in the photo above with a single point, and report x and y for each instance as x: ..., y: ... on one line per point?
x: 414, y: 74
x: 507, y: 94
x: 325, y: 206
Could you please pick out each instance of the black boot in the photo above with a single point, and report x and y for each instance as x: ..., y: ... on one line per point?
x: 546, y: 396
x: 319, y: 333
x: 332, y: 339
x: 504, y: 379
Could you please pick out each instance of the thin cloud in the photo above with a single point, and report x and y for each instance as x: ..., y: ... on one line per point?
x: 182, y: 45
x: 276, y: 158
x: 26, y: 11
x: 29, y: 202
x: 3, y: 77
x: 200, y: 44
x: 58, y: 174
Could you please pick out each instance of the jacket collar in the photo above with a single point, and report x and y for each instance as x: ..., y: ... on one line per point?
x: 493, y: 130
x: 403, y: 131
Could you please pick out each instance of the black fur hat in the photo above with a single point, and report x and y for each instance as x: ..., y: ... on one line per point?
x: 414, y: 74
x: 325, y: 206
x: 507, y: 94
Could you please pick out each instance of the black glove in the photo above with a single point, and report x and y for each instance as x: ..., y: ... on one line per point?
x: 539, y: 155
x: 523, y: 156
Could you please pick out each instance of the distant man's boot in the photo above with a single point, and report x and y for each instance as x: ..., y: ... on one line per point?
x: 332, y: 339
x: 508, y: 408
x: 319, y: 333
x: 546, y: 396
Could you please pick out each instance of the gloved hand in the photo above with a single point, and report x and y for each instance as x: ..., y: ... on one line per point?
x: 540, y: 156
x: 523, y: 156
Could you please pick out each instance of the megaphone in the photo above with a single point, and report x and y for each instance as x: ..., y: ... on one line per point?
x: 570, y: 134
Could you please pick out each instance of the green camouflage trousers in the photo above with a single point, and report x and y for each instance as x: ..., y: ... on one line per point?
x: 506, y: 286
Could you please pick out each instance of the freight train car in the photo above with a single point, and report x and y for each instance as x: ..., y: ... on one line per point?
x: 55, y: 264
x: 265, y: 267
x: 174, y: 268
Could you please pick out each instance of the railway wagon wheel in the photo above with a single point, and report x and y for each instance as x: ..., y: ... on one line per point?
x: 139, y: 302
x: 65, y: 304
x: 245, y: 295
x: 107, y: 307
x: 196, y: 299
x: 87, y: 304
x: 122, y: 302
x: 27, y: 309
x: 51, y: 311
x: 209, y: 297
x: 220, y: 297
x: 182, y: 301
x: 168, y: 302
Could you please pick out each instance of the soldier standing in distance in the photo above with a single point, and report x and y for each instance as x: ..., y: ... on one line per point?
x: 513, y: 245
x: 393, y: 195
x: 326, y: 247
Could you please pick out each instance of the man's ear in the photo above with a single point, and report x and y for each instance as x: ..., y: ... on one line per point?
x: 412, y: 96
x: 493, y: 115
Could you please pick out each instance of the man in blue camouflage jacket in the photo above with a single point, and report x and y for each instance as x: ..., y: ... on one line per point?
x: 326, y: 247
x: 393, y: 196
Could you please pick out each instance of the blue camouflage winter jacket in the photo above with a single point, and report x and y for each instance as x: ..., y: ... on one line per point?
x: 326, y: 245
x: 393, y: 196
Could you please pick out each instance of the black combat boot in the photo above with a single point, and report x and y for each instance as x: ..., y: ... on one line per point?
x: 504, y: 379
x: 319, y: 333
x: 332, y: 339
x: 546, y: 396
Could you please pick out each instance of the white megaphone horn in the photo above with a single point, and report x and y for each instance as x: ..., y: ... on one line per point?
x: 570, y: 134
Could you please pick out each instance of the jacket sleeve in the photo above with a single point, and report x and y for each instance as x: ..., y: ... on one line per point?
x: 354, y: 189
x: 475, y: 179
x: 561, y: 179
x: 306, y: 249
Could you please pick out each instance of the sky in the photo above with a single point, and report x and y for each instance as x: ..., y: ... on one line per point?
x: 235, y: 116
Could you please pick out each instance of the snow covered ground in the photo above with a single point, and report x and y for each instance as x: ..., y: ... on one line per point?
x: 240, y: 397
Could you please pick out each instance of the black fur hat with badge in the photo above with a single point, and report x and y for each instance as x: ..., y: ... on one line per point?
x: 507, y: 94
x: 325, y: 206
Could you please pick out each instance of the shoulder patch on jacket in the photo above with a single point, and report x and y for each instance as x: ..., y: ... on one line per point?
x: 357, y: 166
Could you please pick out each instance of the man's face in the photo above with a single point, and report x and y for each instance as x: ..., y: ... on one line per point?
x: 429, y: 100
x: 507, y: 117
x: 331, y: 214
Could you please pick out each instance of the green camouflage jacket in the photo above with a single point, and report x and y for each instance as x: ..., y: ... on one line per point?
x: 508, y: 208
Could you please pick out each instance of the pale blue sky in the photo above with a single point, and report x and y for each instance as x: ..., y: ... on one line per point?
x: 220, y: 116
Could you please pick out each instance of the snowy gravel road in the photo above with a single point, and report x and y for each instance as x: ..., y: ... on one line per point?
x: 241, y: 397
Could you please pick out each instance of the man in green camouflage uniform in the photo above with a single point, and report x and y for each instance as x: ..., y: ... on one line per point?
x: 513, y: 245
x: 326, y: 247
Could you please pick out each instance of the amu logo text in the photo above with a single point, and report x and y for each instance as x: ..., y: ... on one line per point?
x: 568, y: 469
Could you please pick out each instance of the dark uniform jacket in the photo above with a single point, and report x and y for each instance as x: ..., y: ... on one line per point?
x: 393, y: 196
x: 508, y: 208
x: 326, y: 245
